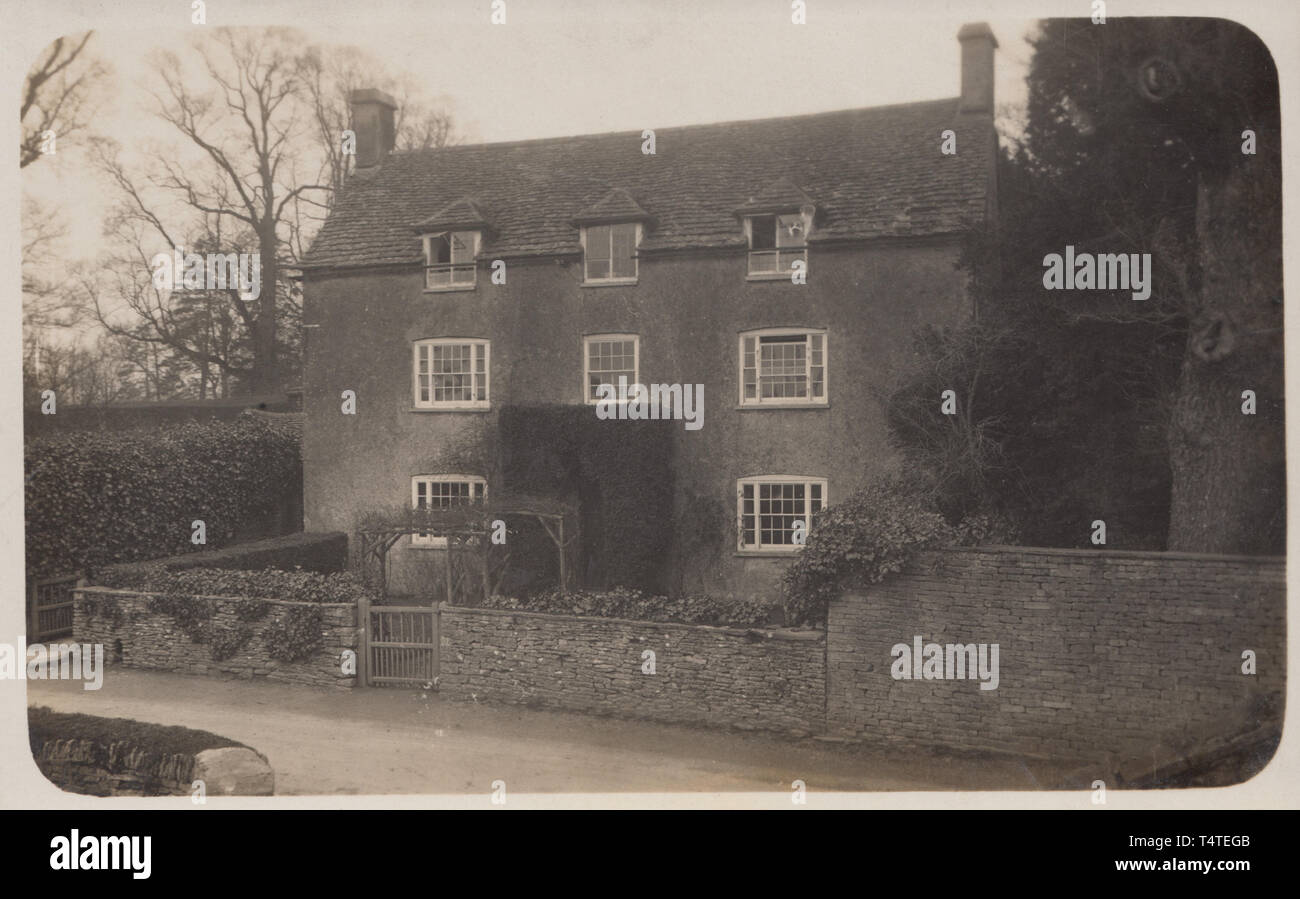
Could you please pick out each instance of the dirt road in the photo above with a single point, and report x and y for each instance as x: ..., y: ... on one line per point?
x: 375, y: 742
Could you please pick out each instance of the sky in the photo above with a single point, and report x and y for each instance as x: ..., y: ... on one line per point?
x: 561, y: 68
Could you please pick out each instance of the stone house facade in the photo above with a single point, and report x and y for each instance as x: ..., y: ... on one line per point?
x: 781, y: 264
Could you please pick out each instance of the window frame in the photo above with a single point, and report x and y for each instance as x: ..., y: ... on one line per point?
x: 587, y: 280
x: 784, y: 402
x: 587, y: 340
x: 451, y: 267
x: 759, y: 548
x: 428, y: 541
x: 480, y: 345
x: 779, y: 273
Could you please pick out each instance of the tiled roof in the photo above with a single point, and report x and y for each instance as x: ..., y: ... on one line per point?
x: 782, y: 195
x: 871, y: 172
x: 617, y: 205
x: 463, y: 213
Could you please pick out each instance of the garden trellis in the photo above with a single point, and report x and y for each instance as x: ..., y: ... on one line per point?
x: 474, y: 561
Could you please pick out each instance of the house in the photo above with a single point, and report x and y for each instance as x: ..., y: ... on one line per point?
x: 783, y: 264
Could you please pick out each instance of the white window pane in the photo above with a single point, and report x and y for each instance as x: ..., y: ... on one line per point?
x: 769, y: 509
x: 607, y: 361
x: 598, y: 242
x: 451, y: 373
x: 623, y: 251
x: 462, y: 247
x: 782, y: 367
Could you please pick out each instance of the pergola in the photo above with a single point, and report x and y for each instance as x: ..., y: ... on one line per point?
x: 468, y: 530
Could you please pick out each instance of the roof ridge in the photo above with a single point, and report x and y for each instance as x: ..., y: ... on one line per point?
x: 671, y: 128
x: 871, y: 172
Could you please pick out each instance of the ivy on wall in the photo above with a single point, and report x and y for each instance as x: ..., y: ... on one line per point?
x: 295, y: 635
x: 617, y: 473
x: 193, y: 597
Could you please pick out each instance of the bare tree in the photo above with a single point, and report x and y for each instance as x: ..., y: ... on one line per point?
x: 45, y: 302
x: 244, y: 124
x: 208, y: 330
x: 58, y: 100
x: 56, y: 95
x: 95, y: 374
x: 264, y: 120
x: 330, y: 74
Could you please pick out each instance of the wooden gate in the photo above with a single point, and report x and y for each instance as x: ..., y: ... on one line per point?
x: 49, y: 608
x: 400, y: 645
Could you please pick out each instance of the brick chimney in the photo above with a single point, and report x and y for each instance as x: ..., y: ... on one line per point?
x: 372, y: 120
x: 977, y: 46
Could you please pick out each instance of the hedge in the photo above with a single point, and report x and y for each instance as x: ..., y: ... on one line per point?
x: 45, y: 725
x: 324, y: 553
x: 618, y: 473
x: 98, y: 497
x: 633, y: 604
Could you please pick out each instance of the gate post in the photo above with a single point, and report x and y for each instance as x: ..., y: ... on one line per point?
x: 33, y: 613
x: 363, y: 641
x: 437, y: 641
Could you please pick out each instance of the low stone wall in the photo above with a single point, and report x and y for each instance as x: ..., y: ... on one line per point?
x: 137, y: 636
x: 723, y: 677
x: 126, y: 769
x: 1119, y: 655
x: 119, y: 769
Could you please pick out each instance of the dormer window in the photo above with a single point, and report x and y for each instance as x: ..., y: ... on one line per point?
x: 449, y: 260
x: 778, y: 220
x: 776, y: 242
x: 611, y: 230
x: 609, y: 253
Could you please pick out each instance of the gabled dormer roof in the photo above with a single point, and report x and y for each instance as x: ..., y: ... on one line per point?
x: 873, y: 173
x: 780, y: 196
x: 461, y: 215
x: 616, y: 206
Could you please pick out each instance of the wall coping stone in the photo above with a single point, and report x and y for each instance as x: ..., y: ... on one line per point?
x: 807, y: 635
x: 1154, y: 555
x: 113, y: 591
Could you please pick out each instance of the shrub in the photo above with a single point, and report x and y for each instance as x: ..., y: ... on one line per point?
x: 622, y: 602
x: 983, y: 528
x: 295, y: 635
x: 98, y: 497
x: 864, y: 539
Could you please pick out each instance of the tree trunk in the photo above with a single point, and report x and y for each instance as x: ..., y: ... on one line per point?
x: 265, y: 375
x: 1229, y: 468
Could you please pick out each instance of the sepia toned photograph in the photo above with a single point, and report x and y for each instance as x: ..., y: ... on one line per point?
x: 586, y: 401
